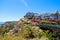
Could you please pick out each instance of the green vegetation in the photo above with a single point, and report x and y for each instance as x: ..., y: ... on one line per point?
x: 26, y: 30
x: 29, y: 32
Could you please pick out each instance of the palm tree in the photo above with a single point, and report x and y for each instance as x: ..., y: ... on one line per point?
x: 57, y: 13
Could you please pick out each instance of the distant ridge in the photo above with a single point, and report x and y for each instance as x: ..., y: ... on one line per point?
x: 1, y: 22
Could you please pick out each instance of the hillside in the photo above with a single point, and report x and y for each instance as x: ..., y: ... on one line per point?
x: 26, y: 29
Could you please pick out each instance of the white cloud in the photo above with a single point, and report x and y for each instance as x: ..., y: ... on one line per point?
x: 24, y: 2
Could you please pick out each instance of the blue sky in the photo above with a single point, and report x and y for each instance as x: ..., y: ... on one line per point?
x: 12, y: 10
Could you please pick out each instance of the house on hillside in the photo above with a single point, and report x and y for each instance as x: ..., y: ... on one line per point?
x: 53, y: 16
x: 45, y: 16
x: 29, y: 15
x: 36, y: 15
x: 59, y: 17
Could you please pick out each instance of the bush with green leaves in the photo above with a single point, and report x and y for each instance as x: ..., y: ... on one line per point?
x: 31, y: 31
x: 3, y: 30
x: 48, y: 34
x: 10, y: 37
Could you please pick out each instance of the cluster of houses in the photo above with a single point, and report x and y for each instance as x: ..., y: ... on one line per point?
x: 51, y: 16
x: 31, y: 15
